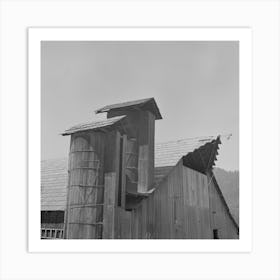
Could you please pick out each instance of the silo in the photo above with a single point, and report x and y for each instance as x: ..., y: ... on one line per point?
x: 84, y: 213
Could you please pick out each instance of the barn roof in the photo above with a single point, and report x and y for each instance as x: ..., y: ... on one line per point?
x: 198, y: 153
x: 148, y: 104
x: 167, y: 154
x: 93, y: 125
x: 53, y: 184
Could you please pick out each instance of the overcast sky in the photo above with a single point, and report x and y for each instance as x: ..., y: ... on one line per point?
x: 195, y: 85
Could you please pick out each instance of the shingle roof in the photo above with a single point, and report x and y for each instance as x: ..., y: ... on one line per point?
x: 93, y: 125
x: 53, y: 184
x: 167, y: 154
x: 148, y: 103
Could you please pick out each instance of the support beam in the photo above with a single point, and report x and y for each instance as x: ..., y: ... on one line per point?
x: 109, y: 213
x: 112, y: 187
x: 122, y: 173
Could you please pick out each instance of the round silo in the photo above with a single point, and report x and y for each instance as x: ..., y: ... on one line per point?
x: 85, y: 186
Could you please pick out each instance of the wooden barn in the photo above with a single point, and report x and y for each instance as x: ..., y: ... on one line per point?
x: 121, y: 185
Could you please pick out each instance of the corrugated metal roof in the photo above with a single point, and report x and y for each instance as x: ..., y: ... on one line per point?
x: 132, y: 104
x: 93, y: 125
x: 54, y: 172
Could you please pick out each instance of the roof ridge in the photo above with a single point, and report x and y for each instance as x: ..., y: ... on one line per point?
x: 133, y: 104
x: 100, y: 110
x: 206, y: 138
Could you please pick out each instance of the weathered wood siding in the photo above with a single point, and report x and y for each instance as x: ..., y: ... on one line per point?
x: 180, y: 208
x: 220, y: 218
x: 131, y: 164
x: 85, y: 188
x: 185, y: 205
x: 142, y: 128
x: 112, y: 184
x: 196, y: 205
x: 146, y: 134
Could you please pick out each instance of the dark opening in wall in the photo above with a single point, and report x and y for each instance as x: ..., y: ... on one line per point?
x: 215, y: 234
x: 52, y: 217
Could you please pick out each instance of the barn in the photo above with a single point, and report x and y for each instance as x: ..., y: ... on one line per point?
x: 118, y: 184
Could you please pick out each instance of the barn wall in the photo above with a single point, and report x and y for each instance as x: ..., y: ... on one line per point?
x: 220, y: 218
x: 196, y: 203
x: 178, y: 209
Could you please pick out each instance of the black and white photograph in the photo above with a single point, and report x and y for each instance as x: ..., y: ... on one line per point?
x: 139, y: 140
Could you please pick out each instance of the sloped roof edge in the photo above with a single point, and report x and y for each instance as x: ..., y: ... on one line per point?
x: 224, y: 200
x: 133, y: 104
x: 203, y: 158
x: 93, y: 125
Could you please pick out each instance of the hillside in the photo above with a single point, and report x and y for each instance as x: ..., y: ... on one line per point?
x: 229, y: 184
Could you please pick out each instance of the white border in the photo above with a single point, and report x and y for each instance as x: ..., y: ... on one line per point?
x: 243, y: 35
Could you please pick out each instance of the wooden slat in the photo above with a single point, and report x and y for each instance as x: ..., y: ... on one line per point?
x: 123, y: 168
x: 146, y: 151
x: 220, y: 218
x: 109, y: 219
x: 181, y: 208
x: 85, y: 169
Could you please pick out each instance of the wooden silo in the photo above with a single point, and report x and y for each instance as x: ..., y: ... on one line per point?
x: 88, y: 162
x: 86, y: 185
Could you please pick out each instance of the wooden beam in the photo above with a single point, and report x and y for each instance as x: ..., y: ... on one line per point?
x: 109, y: 213
x: 122, y: 169
x: 111, y: 185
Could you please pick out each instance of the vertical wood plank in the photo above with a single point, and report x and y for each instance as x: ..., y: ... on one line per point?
x: 123, y: 169
x: 109, y: 220
x: 146, y: 151
x: 85, y: 191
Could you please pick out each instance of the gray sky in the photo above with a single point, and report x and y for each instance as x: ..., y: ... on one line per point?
x: 195, y: 85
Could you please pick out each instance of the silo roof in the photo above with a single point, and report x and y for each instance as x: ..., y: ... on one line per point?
x: 93, y: 125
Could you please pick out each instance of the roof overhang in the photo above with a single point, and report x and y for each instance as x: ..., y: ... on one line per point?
x: 148, y: 104
x: 119, y: 122
x: 203, y: 158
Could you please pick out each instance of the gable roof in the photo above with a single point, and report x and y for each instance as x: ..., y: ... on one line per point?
x: 198, y: 153
x: 148, y: 104
x: 167, y: 154
x: 93, y: 125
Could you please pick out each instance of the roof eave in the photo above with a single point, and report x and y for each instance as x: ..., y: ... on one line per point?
x: 203, y: 158
x: 155, y: 110
x: 103, y: 128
